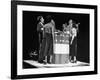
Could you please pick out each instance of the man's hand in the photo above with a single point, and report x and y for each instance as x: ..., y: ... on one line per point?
x: 41, y: 28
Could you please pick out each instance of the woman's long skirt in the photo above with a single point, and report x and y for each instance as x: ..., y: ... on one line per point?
x: 47, y: 46
x: 73, y: 48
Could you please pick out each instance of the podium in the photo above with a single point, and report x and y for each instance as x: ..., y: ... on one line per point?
x: 61, y: 48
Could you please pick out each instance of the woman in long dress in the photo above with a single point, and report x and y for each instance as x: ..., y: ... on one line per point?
x: 73, y: 45
x: 47, y: 44
x: 73, y: 42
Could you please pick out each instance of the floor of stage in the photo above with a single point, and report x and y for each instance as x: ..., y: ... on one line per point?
x: 41, y: 65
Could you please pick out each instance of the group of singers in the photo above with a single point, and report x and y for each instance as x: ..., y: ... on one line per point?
x: 46, y: 38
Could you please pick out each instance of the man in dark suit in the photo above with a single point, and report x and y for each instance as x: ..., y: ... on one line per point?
x: 40, y: 33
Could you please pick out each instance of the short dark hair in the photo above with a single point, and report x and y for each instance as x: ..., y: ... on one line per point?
x: 48, y: 18
x: 39, y: 17
x: 74, y: 25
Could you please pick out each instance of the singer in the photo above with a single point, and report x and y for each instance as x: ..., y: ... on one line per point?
x: 73, y: 43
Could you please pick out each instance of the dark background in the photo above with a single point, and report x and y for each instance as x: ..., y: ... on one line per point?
x: 30, y: 36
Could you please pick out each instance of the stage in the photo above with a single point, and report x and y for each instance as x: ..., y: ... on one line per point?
x: 41, y: 65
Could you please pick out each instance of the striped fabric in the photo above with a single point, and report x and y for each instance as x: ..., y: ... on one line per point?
x: 61, y: 48
x: 62, y: 38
